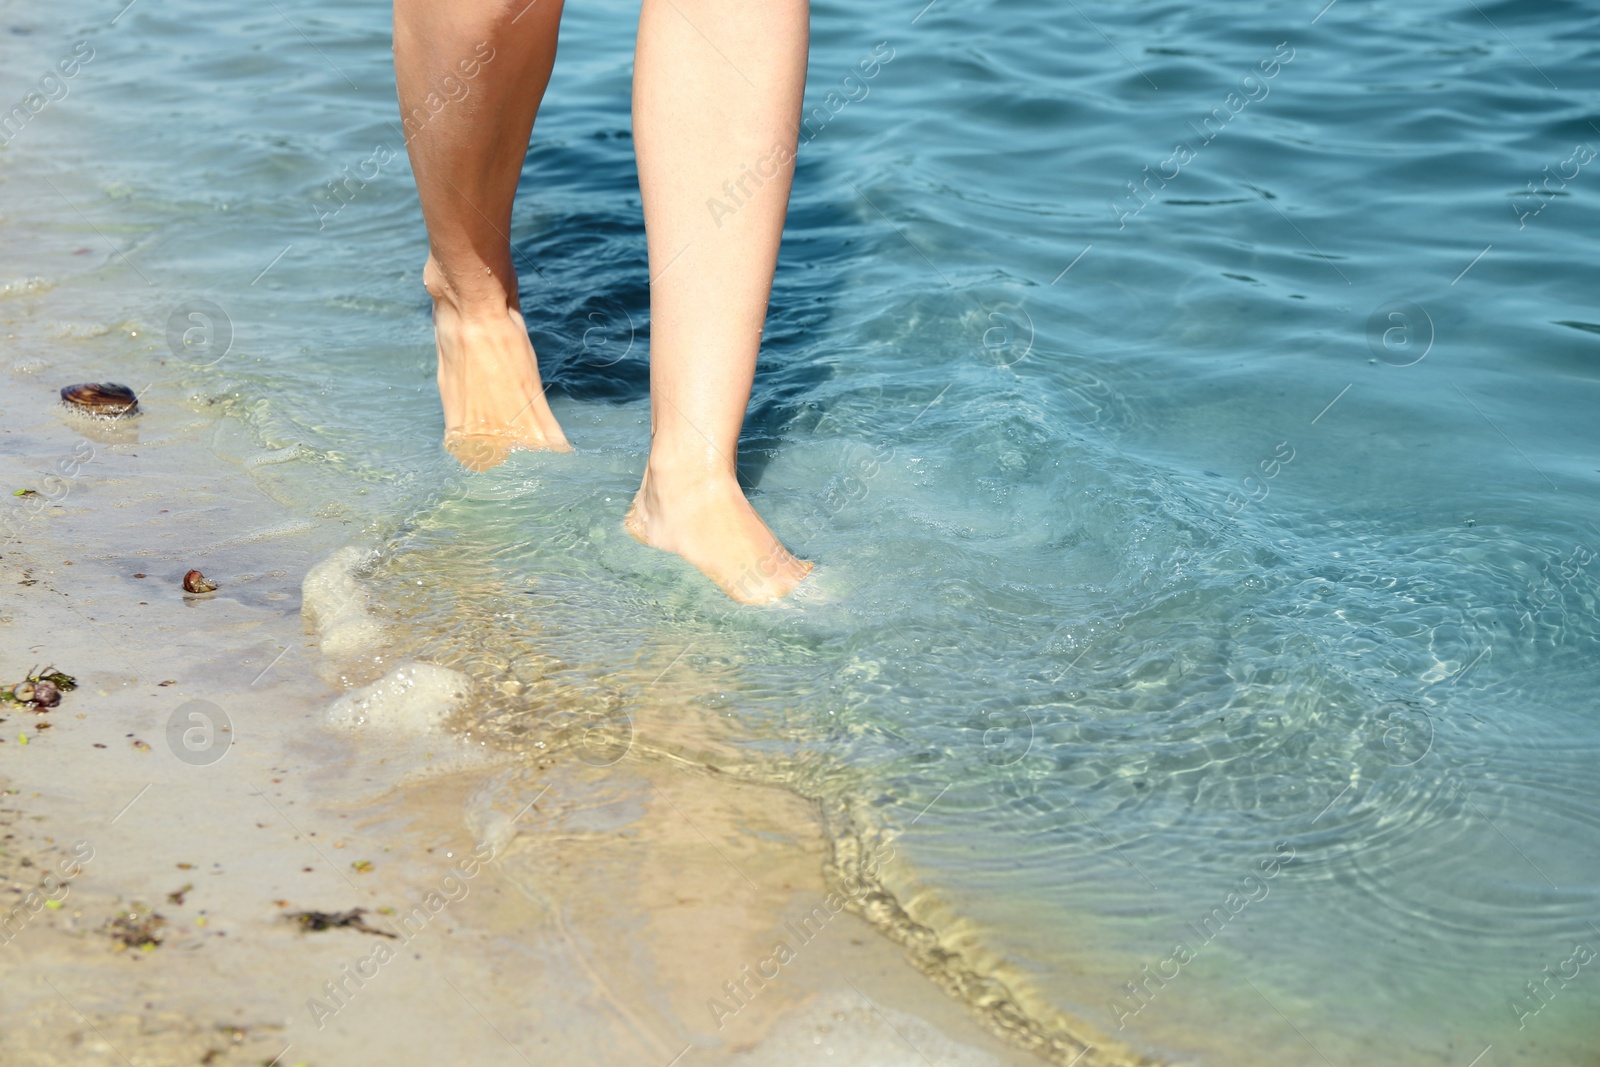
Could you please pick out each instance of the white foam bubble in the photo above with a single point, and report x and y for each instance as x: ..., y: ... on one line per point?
x: 842, y: 1028
x: 335, y: 605
x: 414, y: 698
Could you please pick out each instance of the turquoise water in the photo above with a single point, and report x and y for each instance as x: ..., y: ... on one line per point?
x: 1165, y: 533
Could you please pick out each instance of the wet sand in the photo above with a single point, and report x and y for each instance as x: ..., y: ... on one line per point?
x: 544, y: 911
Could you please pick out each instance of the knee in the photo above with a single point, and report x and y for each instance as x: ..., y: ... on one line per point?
x: 500, y: 16
x: 480, y: 23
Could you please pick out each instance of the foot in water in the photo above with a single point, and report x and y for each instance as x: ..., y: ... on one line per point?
x: 488, y: 382
x: 708, y: 522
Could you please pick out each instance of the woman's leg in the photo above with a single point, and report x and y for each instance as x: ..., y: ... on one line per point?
x: 717, y: 89
x: 471, y: 74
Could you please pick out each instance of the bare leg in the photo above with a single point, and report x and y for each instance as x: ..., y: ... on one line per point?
x: 717, y: 89
x: 471, y: 74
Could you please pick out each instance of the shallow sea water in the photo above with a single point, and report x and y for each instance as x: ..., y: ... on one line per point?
x: 1211, y: 556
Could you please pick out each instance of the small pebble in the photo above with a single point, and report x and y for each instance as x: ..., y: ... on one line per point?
x: 101, y: 398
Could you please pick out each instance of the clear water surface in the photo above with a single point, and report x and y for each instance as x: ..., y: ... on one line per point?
x: 1166, y: 531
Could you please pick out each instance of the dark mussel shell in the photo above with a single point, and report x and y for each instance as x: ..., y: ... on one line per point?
x: 101, y: 398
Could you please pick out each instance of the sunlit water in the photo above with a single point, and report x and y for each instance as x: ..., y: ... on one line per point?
x: 1164, y: 533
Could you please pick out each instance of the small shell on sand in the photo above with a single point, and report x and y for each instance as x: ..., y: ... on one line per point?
x: 195, y: 582
x: 36, y: 693
x: 106, y: 399
x: 41, y: 694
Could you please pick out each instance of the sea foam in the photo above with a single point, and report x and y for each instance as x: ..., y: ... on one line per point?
x: 839, y: 1028
x: 414, y: 698
x: 334, y: 606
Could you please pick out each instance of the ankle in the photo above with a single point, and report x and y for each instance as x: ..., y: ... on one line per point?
x: 474, y: 295
x: 684, y: 478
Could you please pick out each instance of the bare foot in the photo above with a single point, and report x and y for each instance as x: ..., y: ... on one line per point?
x: 709, y: 523
x: 488, y: 381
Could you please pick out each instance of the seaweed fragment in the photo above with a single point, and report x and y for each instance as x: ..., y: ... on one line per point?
x: 329, y: 920
x: 135, y: 928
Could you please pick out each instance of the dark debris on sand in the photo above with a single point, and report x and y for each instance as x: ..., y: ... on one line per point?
x: 328, y: 920
x: 135, y: 928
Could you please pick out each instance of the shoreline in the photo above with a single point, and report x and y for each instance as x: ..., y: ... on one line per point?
x: 673, y: 730
x: 556, y: 942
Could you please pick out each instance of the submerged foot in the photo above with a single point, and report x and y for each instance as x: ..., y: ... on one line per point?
x: 711, y: 525
x: 489, y: 382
